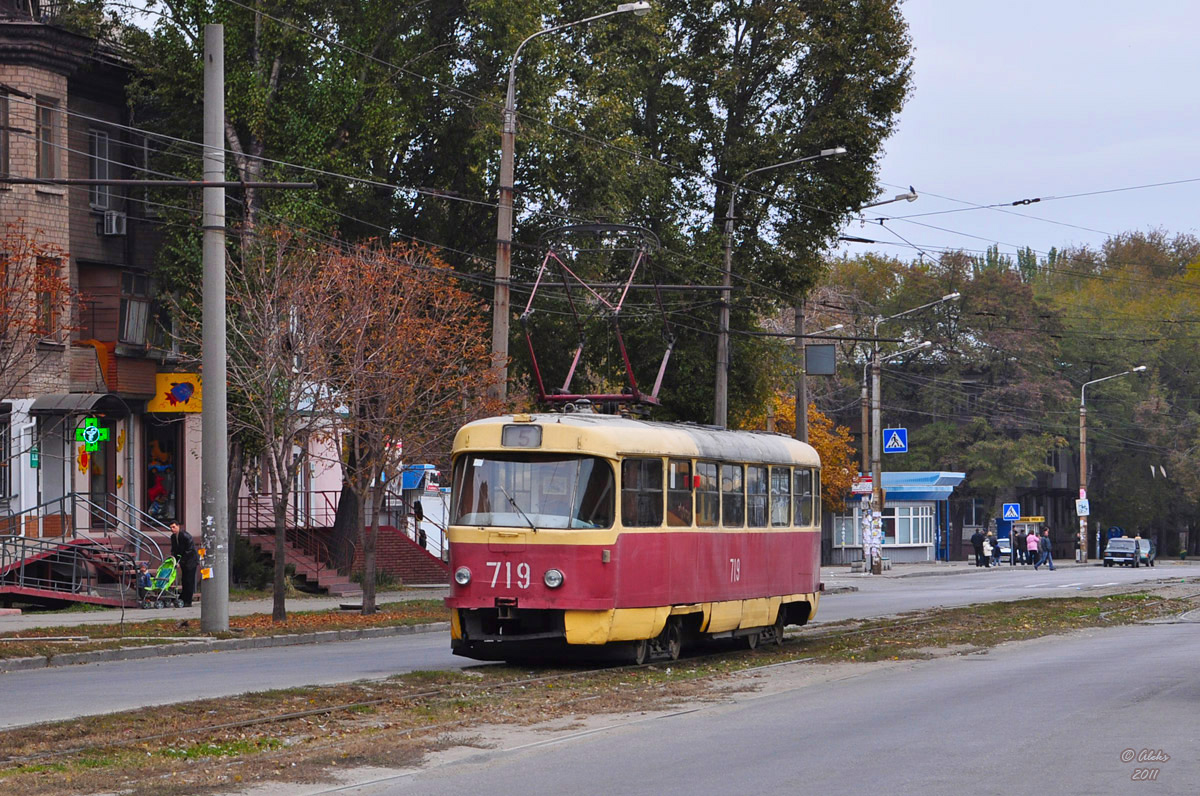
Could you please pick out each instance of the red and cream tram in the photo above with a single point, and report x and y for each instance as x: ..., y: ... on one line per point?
x: 577, y: 530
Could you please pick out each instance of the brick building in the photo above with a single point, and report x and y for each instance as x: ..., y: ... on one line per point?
x: 63, y: 114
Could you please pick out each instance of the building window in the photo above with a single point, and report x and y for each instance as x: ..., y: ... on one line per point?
x: 135, y: 308
x: 47, y: 139
x: 6, y: 467
x: 49, y: 297
x: 641, y: 492
x: 4, y: 135
x: 98, y: 169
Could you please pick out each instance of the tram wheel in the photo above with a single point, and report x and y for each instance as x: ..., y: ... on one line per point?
x: 752, y: 639
x: 778, y: 628
x: 641, y: 651
x: 674, y: 639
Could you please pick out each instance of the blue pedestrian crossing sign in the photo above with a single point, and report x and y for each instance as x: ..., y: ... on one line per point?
x: 1012, y: 511
x: 895, y: 440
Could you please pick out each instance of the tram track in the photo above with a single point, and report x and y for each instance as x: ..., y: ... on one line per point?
x: 465, y: 689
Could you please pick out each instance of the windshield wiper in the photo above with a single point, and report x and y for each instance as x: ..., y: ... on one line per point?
x: 520, y: 511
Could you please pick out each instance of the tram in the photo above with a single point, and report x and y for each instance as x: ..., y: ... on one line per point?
x: 581, y: 532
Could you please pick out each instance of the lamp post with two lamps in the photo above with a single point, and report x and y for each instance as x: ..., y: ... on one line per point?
x: 504, y: 215
x: 1083, y: 544
x: 876, y: 426
x: 721, y: 393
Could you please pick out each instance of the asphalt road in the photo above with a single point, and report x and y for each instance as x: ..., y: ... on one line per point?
x: 881, y: 596
x: 40, y: 695
x: 1049, y: 716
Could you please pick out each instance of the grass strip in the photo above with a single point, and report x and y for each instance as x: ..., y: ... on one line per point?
x: 304, y: 734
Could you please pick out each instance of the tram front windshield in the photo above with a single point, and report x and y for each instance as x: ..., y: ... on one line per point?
x: 533, y: 490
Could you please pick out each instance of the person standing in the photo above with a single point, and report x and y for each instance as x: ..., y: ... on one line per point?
x: 977, y: 543
x: 1019, y: 546
x: 1031, y: 548
x: 995, y: 549
x: 183, y: 548
x: 987, y: 550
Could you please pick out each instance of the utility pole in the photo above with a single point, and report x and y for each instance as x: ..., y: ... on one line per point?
x: 1083, y: 518
x: 214, y: 446
x: 802, y: 379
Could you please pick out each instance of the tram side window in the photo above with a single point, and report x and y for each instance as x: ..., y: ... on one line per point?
x: 781, y: 496
x: 641, y: 492
x: 708, y: 495
x: 756, y: 496
x: 816, y: 479
x: 733, y: 496
x: 679, y: 493
x: 803, y: 494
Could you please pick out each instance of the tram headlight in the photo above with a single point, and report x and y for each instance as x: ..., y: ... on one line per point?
x: 462, y: 576
x: 553, y: 578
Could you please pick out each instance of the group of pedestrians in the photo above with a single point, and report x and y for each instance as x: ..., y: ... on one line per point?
x: 1024, y: 549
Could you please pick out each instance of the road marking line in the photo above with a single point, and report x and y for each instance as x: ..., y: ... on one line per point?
x: 1070, y: 585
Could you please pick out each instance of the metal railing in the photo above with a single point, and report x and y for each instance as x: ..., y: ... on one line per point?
x: 56, y: 566
x: 256, y: 516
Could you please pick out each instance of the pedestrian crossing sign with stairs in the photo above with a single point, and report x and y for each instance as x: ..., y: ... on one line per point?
x: 895, y: 440
x: 1012, y: 511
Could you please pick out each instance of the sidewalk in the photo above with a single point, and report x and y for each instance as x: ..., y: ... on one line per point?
x: 25, y: 621
x: 934, y: 568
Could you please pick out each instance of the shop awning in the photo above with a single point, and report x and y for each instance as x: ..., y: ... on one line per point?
x: 78, y: 403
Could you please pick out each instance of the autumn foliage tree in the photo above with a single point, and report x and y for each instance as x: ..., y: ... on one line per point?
x: 832, y: 443
x: 405, y: 361
x: 36, y: 304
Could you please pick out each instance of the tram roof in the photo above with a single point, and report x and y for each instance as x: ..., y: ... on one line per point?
x: 628, y: 435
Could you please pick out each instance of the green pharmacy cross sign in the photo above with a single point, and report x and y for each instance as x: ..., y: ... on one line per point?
x: 91, y: 435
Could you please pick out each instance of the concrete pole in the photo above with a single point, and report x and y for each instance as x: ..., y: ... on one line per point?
x: 1083, y: 521
x: 866, y: 427
x: 876, y: 434
x: 801, y: 379
x: 721, y: 392
x: 214, y: 475
x: 504, y: 225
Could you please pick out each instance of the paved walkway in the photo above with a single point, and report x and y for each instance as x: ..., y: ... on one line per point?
x: 955, y: 568
x: 31, y: 619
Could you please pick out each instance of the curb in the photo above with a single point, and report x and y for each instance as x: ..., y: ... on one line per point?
x: 968, y: 570
x: 194, y: 647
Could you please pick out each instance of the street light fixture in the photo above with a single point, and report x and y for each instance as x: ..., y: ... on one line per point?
x: 908, y: 196
x: 1083, y: 545
x: 876, y: 430
x: 721, y: 393
x: 504, y: 215
x: 801, y: 408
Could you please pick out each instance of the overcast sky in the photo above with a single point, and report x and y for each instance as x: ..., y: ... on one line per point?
x: 1020, y: 99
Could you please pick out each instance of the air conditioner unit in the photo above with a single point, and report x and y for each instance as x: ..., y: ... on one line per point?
x: 114, y: 222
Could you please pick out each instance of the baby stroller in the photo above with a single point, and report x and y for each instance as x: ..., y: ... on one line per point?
x: 162, y: 592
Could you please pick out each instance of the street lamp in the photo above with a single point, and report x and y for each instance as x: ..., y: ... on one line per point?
x: 721, y: 393
x: 801, y: 413
x: 504, y: 215
x: 876, y: 431
x: 1083, y: 547
x: 908, y: 196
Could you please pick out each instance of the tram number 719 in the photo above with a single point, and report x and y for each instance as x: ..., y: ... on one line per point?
x: 735, y: 570
x: 522, y: 581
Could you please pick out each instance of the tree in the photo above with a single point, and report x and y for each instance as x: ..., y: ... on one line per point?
x: 405, y: 360
x: 833, y: 445
x: 37, y: 303
x: 276, y: 340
